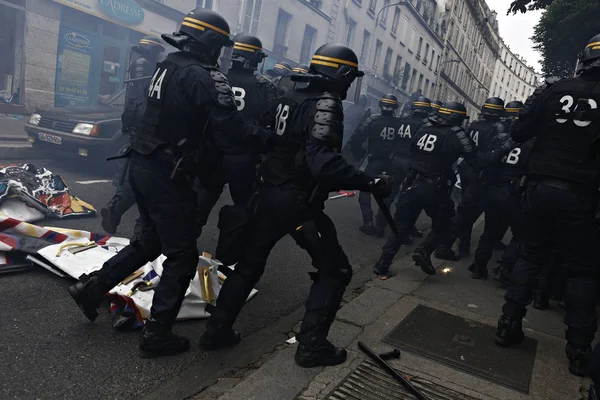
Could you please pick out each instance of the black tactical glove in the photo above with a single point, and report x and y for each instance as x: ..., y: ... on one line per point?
x: 381, y: 186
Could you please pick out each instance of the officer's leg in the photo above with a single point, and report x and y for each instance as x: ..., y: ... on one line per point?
x: 494, y: 201
x: 577, y: 236
x: 206, y: 202
x: 594, y: 370
x: 241, y: 175
x: 329, y: 284
x: 407, y: 211
x: 536, y: 249
x: 374, y: 167
x: 123, y: 200
x: 247, y: 273
x: 90, y: 291
x: 509, y: 257
x: 440, y: 208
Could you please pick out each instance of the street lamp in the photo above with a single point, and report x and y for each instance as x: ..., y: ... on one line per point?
x: 400, y: 3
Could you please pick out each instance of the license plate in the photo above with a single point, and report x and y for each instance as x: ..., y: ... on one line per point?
x: 44, y: 137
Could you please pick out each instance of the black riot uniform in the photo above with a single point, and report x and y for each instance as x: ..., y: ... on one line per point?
x: 303, y: 166
x: 483, y: 132
x: 561, y: 198
x: 409, y: 125
x: 190, y: 108
x: 149, y: 50
x: 256, y: 99
x: 381, y: 132
x: 435, y: 147
x: 279, y: 70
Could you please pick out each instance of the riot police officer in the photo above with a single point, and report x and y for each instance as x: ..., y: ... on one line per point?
x: 482, y: 132
x: 561, y: 198
x: 256, y: 98
x: 189, y: 106
x: 280, y: 70
x: 149, y: 50
x: 409, y: 125
x: 435, y: 147
x: 303, y: 166
x: 435, y: 106
x: 300, y: 69
x: 381, y: 131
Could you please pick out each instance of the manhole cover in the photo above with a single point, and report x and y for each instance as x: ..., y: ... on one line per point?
x: 466, y: 345
x: 370, y: 382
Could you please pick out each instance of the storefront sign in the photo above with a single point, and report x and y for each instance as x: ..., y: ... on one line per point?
x: 127, y: 11
x: 73, y: 69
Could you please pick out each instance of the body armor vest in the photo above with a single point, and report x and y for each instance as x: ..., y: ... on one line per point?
x: 408, y: 128
x: 383, y: 132
x: 251, y: 98
x: 433, y: 152
x: 569, y: 131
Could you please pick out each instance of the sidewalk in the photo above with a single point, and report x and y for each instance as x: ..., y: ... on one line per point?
x: 370, y: 315
x: 13, y: 139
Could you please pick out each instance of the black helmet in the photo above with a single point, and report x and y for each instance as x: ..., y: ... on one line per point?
x: 301, y: 69
x: 247, y: 50
x: 453, y: 112
x: 205, y: 27
x: 421, y: 105
x: 282, y: 69
x: 590, y: 56
x: 336, y: 62
x: 388, y: 103
x: 435, y: 106
x: 150, y: 44
x: 493, y: 106
x: 512, y: 108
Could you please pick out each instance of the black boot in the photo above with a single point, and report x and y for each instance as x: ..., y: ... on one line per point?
x: 579, y: 358
x: 464, y: 249
x: 381, y: 268
x: 423, y: 260
x: 111, y: 217
x: 219, y: 332
x: 157, y: 340
x: 592, y: 394
x: 88, y: 294
x: 509, y: 332
x: 446, y: 253
x: 541, y: 300
x: 502, y: 275
x: 314, y: 350
x: 478, y: 271
x: 368, y: 229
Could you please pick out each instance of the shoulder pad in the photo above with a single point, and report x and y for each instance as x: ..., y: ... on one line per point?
x: 224, y: 93
x: 328, y: 121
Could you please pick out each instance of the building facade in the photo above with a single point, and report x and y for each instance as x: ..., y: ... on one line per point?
x: 472, y: 47
x: 513, y: 78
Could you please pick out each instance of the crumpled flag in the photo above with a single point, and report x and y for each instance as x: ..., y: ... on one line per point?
x: 41, y: 189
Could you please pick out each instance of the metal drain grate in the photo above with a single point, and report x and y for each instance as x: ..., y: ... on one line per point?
x: 370, y: 382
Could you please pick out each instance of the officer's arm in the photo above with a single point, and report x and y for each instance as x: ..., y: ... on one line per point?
x: 528, y: 122
x: 268, y: 116
x: 502, y: 144
x: 465, y: 145
x: 323, y: 156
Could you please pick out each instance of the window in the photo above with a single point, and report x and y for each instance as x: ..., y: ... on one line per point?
x: 387, y: 62
x: 281, y: 33
x: 405, y: 76
x: 350, y: 32
x: 395, y: 21
x: 432, y: 57
x: 420, y: 84
x: 413, y: 37
x: 420, y: 47
x: 251, y: 16
x: 365, y: 46
x: 384, y: 13
x: 397, y: 70
x: 372, y: 6
x: 315, y: 3
x: 413, y: 79
x: 308, y: 44
x: 503, y: 75
x: 437, y: 64
x: 461, y: 45
x: 377, y: 54
x: 419, y: 4
x: 426, y: 53
x: 426, y: 87
x: 203, y: 4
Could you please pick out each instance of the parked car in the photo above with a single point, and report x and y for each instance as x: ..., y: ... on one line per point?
x: 92, y: 133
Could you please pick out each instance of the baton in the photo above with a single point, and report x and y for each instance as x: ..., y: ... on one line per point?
x: 383, y: 209
x: 407, y: 384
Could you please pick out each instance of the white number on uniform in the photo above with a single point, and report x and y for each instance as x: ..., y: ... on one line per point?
x: 475, y: 137
x: 387, y: 134
x: 427, y: 142
x: 513, y: 156
x: 156, y: 84
x: 239, y: 94
x: 567, y: 102
x: 283, y: 112
x: 404, y: 132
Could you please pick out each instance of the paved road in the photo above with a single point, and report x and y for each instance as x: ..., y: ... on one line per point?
x: 49, y: 350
